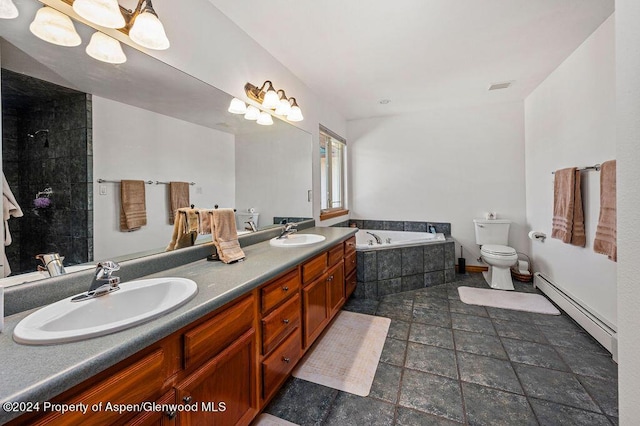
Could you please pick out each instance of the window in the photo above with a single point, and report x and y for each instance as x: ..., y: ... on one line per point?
x: 332, y: 174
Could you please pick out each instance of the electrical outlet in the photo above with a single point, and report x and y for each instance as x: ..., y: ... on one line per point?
x: 103, y: 189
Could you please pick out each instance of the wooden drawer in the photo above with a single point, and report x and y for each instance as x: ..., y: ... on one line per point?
x: 336, y: 254
x: 350, y: 263
x: 279, y: 323
x: 281, y: 289
x: 141, y: 381
x: 350, y: 246
x: 350, y: 283
x: 277, y: 366
x: 214, y: 335
x: 314, y: 268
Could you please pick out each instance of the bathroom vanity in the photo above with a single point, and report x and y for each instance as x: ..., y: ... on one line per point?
x: 221, y: 357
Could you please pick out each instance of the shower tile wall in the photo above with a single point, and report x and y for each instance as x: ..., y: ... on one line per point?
x: 66, y: 165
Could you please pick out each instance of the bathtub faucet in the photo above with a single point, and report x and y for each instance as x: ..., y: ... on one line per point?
x: 378, y: 239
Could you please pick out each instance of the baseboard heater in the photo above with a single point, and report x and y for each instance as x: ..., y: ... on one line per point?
x: 597, y: 327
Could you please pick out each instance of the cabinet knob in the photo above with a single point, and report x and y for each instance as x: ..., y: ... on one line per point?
x: 330, y: 278
x: 187, y: 399
x: 285, y: 321
x: 285, y: 288
x: 171, y: 414
x: 285, y: 359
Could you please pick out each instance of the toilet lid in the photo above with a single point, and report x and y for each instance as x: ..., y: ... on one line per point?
x: 498, y: 250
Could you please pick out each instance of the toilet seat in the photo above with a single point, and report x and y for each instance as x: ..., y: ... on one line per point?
x: 498, y: 250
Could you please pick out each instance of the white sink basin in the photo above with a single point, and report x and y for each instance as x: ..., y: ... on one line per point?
x: 297, y: 240
x: 136, y: 302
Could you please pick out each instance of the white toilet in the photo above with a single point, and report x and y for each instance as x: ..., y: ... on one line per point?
x: 492, y: 236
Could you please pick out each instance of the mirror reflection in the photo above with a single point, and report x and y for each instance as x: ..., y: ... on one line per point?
x: 69, y: 120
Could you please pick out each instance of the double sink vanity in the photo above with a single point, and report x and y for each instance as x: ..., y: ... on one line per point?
x: 215, y: 353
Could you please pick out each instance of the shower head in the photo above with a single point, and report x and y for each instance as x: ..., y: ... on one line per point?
x: 37, y: 132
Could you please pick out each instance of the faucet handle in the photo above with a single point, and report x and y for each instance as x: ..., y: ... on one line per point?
x: 104, y: 269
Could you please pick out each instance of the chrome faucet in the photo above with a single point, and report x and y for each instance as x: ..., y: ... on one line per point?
x: 378, y: 239
x: 102, y: 282
x: 289, y: 228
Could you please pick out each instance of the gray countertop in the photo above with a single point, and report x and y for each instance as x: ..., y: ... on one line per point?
x: 38, y: 373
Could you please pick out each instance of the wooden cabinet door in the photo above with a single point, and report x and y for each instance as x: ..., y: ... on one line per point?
x: 315, y: 309
x: 158, y: 418
x: 223, y: 390
x: 335, y: 288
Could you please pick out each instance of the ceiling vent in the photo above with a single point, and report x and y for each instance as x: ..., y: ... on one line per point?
x: 499, y: 86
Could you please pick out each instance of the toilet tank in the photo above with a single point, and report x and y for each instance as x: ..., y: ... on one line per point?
x: 494, y: 231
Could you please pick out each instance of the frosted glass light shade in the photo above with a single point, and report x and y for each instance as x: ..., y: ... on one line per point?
x: 237, y: 106
x: 8, y: 10
x: 283, y: 108
x: 295, y: 114
x: 252, y: 113
x: 105, y: 13
x: 148, y: 31
x: 265, y: 119
x: 105, y: 49
x: 271, y: 99
x: 54, y: 27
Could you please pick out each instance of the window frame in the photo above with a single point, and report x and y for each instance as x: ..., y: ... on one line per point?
x: 331, y: 212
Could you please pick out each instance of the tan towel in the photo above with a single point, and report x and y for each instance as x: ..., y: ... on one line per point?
x: 568, y: 215
x: 225, y: 236
x: 10, y: 208
x: 185, y: 229
x: 178, y: 198
x: 204, y: 226
x: 133, y: 210
x: 606, y: 232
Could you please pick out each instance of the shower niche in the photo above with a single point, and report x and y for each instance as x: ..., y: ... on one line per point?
x: 47, y: 161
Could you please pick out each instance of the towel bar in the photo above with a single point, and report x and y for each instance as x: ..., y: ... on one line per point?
x: 595, y: 167
x: 167, y: 183
x: 148, y: 182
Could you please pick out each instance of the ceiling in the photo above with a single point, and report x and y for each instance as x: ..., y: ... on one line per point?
x: 417, y: 53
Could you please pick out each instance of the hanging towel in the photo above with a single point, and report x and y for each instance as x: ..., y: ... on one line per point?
x: 225, y: 236
x: 204, y: 226
x: 10, y: 208
x: 185, y: 229
x: 178, y: 198
x: 606, y: 231
x: 133, y: 210
x: 568, y: 216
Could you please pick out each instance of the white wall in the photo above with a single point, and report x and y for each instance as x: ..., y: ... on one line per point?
x: 628, y: 149
x: 281, y: 160
x: 570, y: 121
x: 133, y: 143
x: 444, y: 165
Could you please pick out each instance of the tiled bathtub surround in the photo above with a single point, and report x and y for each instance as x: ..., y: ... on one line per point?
x: 387, y: 271
x: 399, y: 225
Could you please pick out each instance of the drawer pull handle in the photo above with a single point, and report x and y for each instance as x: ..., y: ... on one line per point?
x: 285, y: 288
x: 285, y: 359
x: 171, y: 414
x: 187, y: 399
x: 285, y: 321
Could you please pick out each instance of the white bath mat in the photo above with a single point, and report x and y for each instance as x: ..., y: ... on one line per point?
x: 346, y: 356
x: 265, y: 419
x: 507, y: 300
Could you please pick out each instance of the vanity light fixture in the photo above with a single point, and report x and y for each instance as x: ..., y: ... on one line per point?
x: 276, y: 100
x: 8, y: 10
x: 147, y: 30
x: 105, y: 49
x: 54, y: 27
x: 265, y: 119
x: 105, y: 13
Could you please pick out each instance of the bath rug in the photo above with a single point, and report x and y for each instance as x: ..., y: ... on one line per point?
x: 507, y: 300
x: 265, y: 419
x: 346, y: 356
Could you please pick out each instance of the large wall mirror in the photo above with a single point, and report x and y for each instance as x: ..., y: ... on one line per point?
x: 69, y: 120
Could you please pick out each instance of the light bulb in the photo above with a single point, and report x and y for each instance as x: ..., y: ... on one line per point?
x: 105, y: 49
x: 54, y: 27
x: 148, y: 31
x: 237, y: 106
x: 295, y: 114
x: 252, y: 113
x: 8, y: 10
x: 271, y: 99
x: 283, y: 108
x: 105, y: 13
x: 265, y: 119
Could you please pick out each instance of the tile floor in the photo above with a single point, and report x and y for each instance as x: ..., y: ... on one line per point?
x: 446, y: 363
